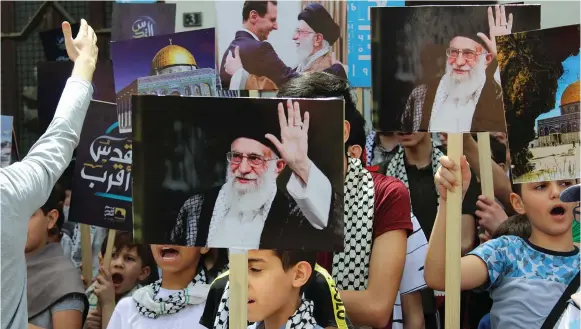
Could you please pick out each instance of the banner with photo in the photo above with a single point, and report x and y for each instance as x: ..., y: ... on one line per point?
x: 202, y: 162
x: 179, y: 64
x: 540, y: 81
x: 7, y: 124
x: 142, y: 20
x: 435, y: 67
x: 101, y: 192
x: 52, y: 78
x: 302, y: 36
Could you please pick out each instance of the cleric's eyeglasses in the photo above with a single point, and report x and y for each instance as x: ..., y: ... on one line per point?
x: 467, y: 54
x: 303, y: 32
x: 255, y: 160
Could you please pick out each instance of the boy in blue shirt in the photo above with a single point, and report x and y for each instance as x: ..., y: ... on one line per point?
x: 525, y: 277
x: 275, y: 289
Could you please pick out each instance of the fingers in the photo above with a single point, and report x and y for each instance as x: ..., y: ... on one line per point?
x: 480, y: 214
x: 465, y: 167
x: 83, y: 30
x: 290, y: 112
x: 490, y: 18
x: 306, y: 121
x: 237, y: 52
x: 448, y: 164
x: 281, y: 118
x: 486, y: 200
x: 297, y: 114
x: 497, y: 12
x: 276, y: 142
x: 484, y: 38
x: 510, y: 22
x: 502, y: 15
x: 445, y: 178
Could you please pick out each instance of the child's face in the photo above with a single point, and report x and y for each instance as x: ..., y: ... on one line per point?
x: 174, y: 259
x: 271, y: 290
x: 541, y: 203
x: 127, y: 269
x: 38, y: 227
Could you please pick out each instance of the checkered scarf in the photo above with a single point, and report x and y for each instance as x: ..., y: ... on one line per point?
x: 351, y: 267
x: 303, y: 318
x: 152, y: 307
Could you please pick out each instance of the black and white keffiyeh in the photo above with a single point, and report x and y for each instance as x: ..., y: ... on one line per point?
x: 351, y: 267
x: 152, y: 307
x: 303, y: 318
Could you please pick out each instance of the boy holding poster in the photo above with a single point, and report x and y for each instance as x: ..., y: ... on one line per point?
x: 545, y: 266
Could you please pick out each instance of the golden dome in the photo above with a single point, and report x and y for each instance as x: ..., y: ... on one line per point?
x: 571, y: 94
x: 172, y: 55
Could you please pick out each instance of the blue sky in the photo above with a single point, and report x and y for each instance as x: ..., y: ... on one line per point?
x: 6, y: 127
x: 570, y: 75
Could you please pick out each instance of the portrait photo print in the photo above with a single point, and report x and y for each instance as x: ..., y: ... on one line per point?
x: 434, y: 68
x: 239, y: 172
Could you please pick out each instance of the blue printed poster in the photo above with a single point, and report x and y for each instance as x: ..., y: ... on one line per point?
x: 359, y: 39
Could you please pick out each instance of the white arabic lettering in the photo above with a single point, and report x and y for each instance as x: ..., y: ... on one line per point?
x: 93, y: 178
x: 102, y: 150
x: 143, y: 27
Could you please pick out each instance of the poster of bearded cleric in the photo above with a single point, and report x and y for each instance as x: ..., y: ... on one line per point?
x: 101, y: 191
x: 262, y: 44
x: 243, y: 173
x: 434, y: 68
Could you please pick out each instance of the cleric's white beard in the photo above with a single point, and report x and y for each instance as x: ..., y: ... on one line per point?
x: 464, y: 86
x: 250, y: 197
x: 305, y: 48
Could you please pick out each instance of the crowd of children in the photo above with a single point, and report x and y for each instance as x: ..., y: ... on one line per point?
x: 390, y: 275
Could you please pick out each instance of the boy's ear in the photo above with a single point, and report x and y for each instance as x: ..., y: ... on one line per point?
x: 145, y: 272
x: 53, y: 217
x: 517, y: 203
x: 302, y: 272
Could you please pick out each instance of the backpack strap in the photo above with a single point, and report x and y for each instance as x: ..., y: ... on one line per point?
x: 561, y: 305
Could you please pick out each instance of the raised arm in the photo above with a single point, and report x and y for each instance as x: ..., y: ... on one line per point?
x: 26, y: 185
x: 474, y: 272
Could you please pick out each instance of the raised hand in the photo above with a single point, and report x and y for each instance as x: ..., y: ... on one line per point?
x: 104, y: 288
x: 500, y: 26
x: 445, y: 179
x: 294, y: 145
x: 84, y: 45
x: 233, y: 62
x: 490, y: 213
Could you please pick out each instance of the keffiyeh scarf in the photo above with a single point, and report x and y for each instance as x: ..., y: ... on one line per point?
x: 303, y: 318
x: 351, y: 267
x: 152, y: 307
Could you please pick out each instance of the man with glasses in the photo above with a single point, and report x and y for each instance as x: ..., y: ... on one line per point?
x: 316, y: 32
x: 249, y: 211
x: 468, y: 96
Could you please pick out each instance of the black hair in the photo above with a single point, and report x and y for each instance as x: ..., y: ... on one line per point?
x: 498, y: 151
x: 220, y: 260
x: 125, y: 240
x: 55, y: 202
x: 292, y: 258
x: 322, y: 84
x: 517, y: 225
x: 261, y: 7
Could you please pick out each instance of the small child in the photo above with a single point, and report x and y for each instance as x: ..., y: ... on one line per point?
x: 276, y: 280
x: 525, y: 277
x: 131, y: 265
x: 175, y: 301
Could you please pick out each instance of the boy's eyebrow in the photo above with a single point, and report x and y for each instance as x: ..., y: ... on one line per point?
x: 256, y: 260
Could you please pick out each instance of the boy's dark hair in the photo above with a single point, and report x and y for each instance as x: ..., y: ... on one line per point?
x: 292, y: 258
x: 261, y: 7
x: 125, y: 240
x: 498, y: 151
x: 517, y: 225
x: 220, y: 263
x: 517, y: 188
x: 322, y: 84
x: 55, y: 201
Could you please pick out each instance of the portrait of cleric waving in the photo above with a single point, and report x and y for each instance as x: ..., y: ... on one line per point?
x: 250, y: 210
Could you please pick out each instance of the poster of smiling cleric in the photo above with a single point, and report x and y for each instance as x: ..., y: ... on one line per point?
x: 101, y: 192
x: 142, y: 20
x: 540, y: 79
x: 179, y: 64
x: 278, y: 40
x: 243, y: 173
x: 435, y: 68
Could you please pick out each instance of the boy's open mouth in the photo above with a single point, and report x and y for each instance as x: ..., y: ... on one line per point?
x: 117, y: 278
x: 558, y: 211
x: 169, y: 253
x: 250, y: 301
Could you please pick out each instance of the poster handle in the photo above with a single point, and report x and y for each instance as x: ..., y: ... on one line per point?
x: 86, y: 254
x: 238, y: 299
